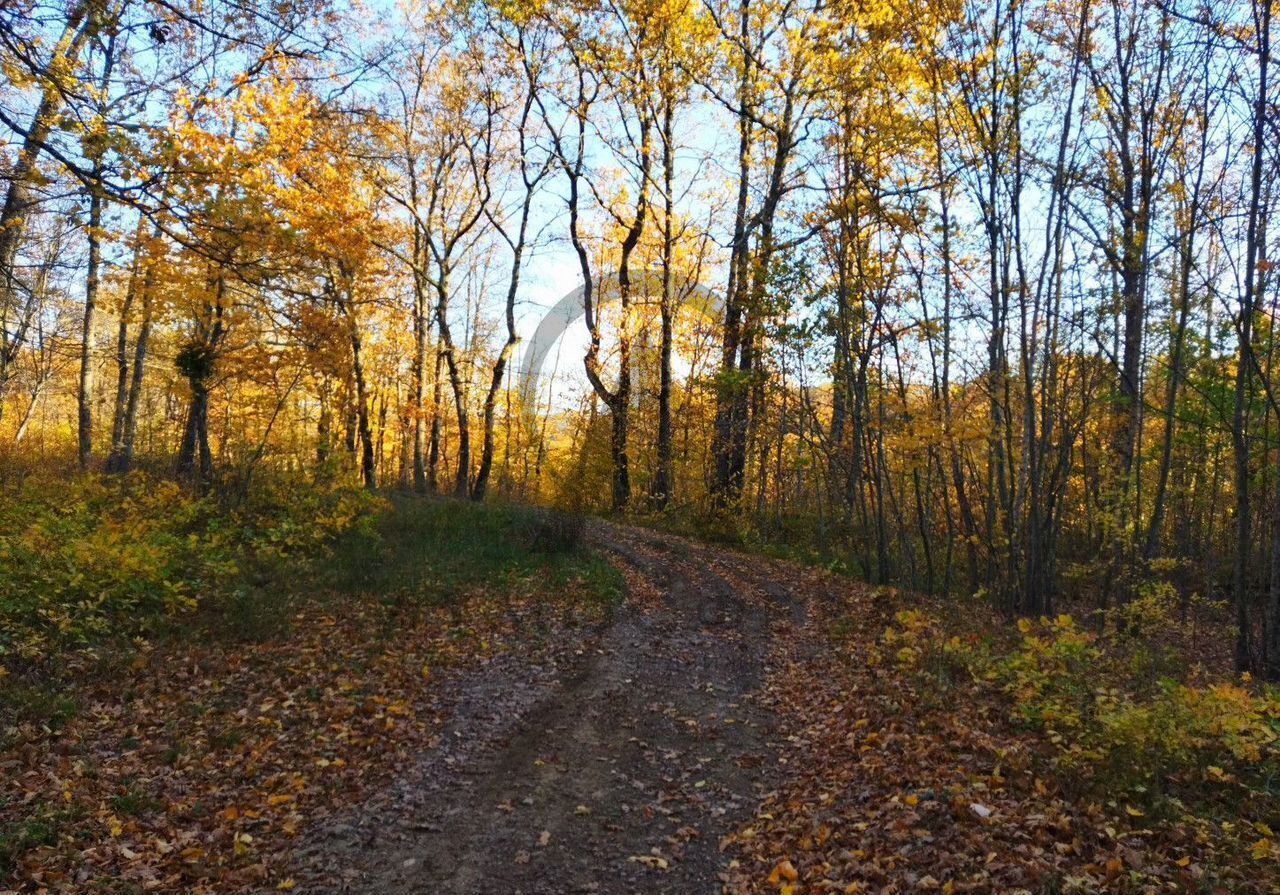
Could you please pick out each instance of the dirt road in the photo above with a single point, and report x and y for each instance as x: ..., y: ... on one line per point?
x: 616, y: 771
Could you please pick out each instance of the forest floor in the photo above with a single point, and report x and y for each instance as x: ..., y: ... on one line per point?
x: 620, y: 770
x: 731, y: 726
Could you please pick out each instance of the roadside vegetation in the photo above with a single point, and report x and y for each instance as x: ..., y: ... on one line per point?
x: 939, y: 747
x: 187, y: 684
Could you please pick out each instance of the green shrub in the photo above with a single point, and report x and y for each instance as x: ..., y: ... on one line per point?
x: 1066, y: 682
x: 1080, y: 691
x: 1052, y: 676
x: 87, y: 558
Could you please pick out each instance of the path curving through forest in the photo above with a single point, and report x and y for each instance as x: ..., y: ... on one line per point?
x: 617, y: 771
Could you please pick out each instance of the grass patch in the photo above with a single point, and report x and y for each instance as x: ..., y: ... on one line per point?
x: 97, y: 572
x: 428, y: 551
x: 43, y: 827
x: 43, y: 702
x: 797, y: 539
x: 133, y: 802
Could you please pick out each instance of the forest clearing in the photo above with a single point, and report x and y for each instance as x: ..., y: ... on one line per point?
x: 619, y: 446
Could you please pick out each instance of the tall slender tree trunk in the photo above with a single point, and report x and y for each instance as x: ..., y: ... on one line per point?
x: 368, y: 460
x: 504, y: 355
x: 1255, y: 279
x: 748, y: 390
x: 121, y: 401
x: 97, y: 206
x: 726, y: 488
x: 664, y: 476
x: 129, y: 431
x: 968, y: 525
x: 84, y: 389
x: 122, y: 371
x: 433, y: 443
x: 462, y: 481
x: 421, y: 331
x: 1246, y: 360
x: 1176, y: 350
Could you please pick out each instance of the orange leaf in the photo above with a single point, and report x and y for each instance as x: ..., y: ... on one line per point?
x: 784, y: 870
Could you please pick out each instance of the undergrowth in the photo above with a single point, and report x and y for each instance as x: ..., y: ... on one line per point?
x: 433, y: 551
x: 1119, y: 719
x: 96, y: 570
x: 94, y: 558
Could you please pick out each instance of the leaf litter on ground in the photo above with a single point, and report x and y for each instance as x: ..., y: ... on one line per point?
x: 195, y: 770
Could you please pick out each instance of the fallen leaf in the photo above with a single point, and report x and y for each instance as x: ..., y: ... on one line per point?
x: 654, y: 861
x: 783, y: 871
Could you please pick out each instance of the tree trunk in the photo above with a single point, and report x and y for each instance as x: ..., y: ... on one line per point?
x: 84, y: 389
x: 1244, y: 368
x: 433, y: 443
x: 500, y: 365
x: 196, y: 362
x: 1185, y: 267
x: 421, y: 330
x: 725, y: 486
x: 195, y: 437
x: 368, y: 464
x: 419, y: 397
x: 27, y: 414
x: 1255, y: 279
x: 129, y: 430
x: 462, y: 481
x: 122, y: 356
x: 664, y: 476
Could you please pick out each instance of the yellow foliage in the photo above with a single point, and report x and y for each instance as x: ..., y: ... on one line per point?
x: 99, y: 556
x: 1063, y: 681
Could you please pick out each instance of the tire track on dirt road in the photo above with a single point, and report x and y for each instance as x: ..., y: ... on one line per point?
x: 618, y: 772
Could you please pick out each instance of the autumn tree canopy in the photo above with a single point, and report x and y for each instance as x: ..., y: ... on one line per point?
x: 991, y: 307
